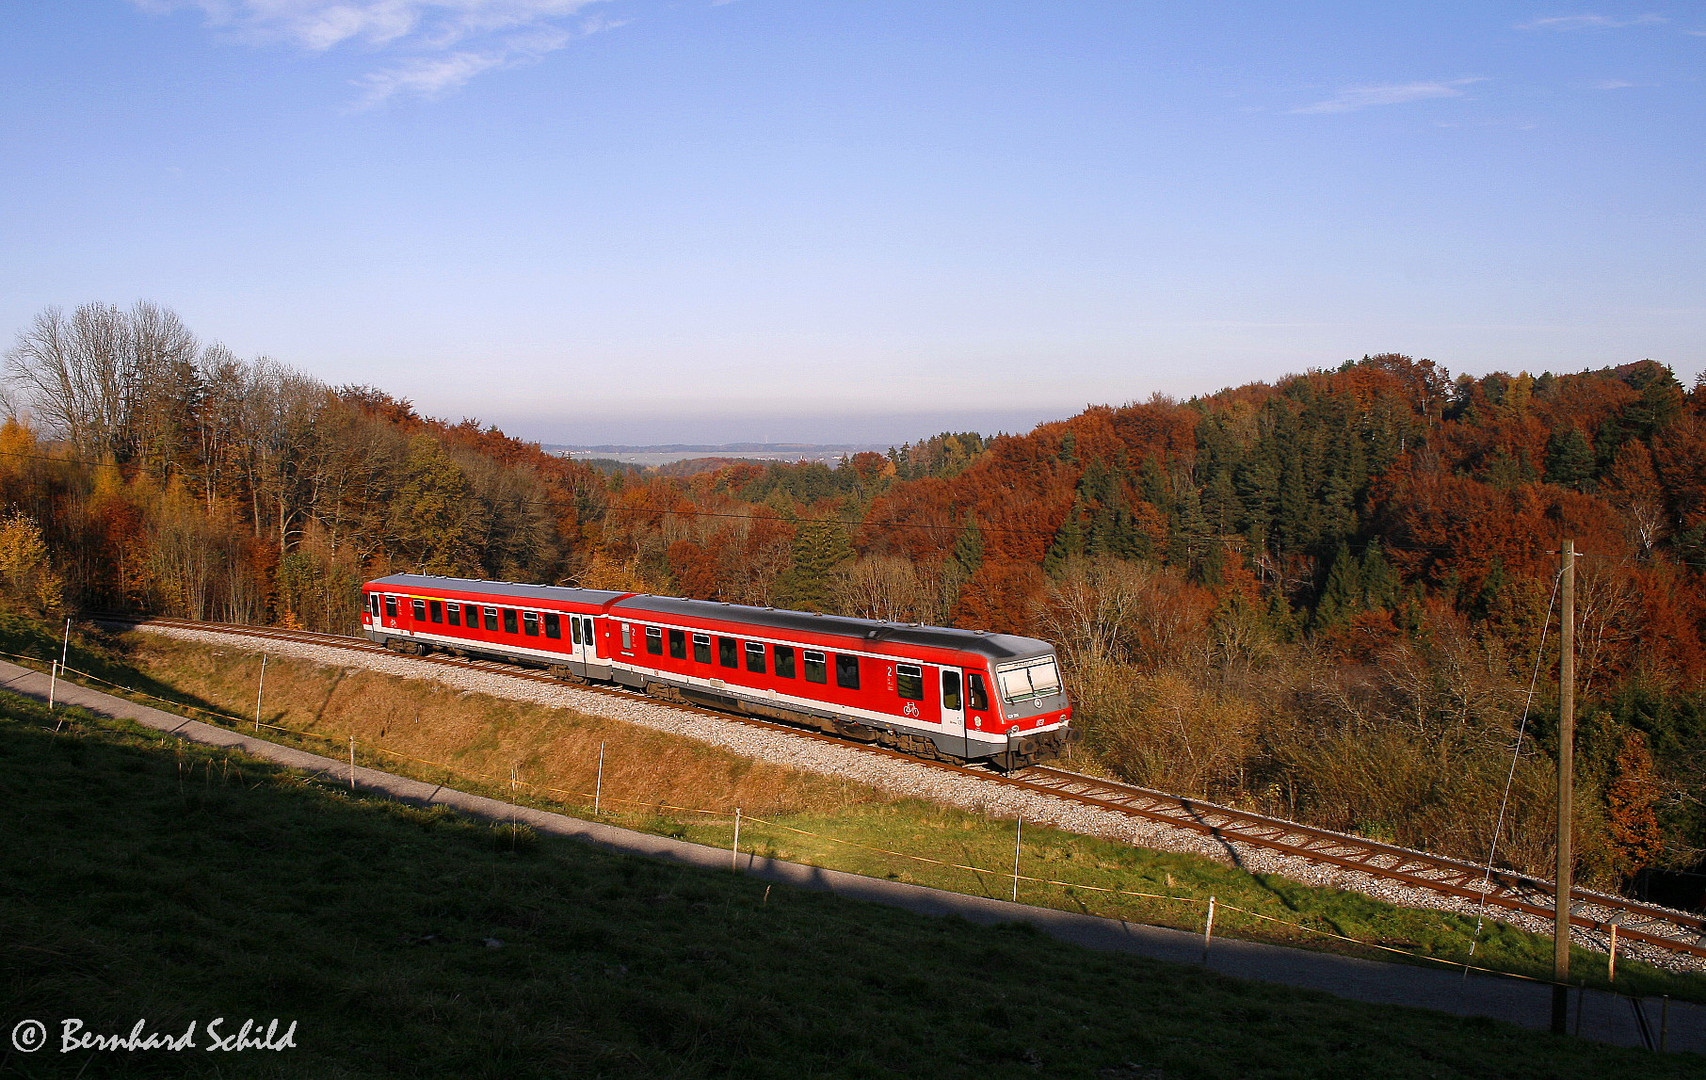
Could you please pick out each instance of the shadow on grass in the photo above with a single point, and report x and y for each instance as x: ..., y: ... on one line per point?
x: 93, y: 651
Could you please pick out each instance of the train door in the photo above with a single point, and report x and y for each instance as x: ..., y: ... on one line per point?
x: 576, y: 635
x: 568, y: 633
x: 586, y: 649
x: 977, y: 702
x: 953, y: 707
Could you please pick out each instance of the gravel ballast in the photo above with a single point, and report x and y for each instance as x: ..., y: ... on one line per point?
x: 904, y: 779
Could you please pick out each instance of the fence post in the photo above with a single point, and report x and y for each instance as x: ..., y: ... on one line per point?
x: 598, y: 788
x: 260, y: 689
x: 734, y: 849
x: 1208, y: 930
x: 54, y: 669
x: 1611, y: 961
x: 352, y: 762
x: 1018, y: 835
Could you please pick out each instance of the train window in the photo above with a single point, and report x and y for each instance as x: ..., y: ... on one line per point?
x: 627, y: 638
x: 728, y: 652
x: 816, y: 669
x: 977, y: 698
x: 755, y: 656
x: 390, y: 607
x: 654, y: 640
x: 373, y: 603
x: 530, y: 623
x: 419, y: 608
x: 846, y: 671
x: 553, y: 625
x: 574, y: 630
x: 702, y: 648
x: 1038, y: 678
x: 453, y: 614
x: 950, y: 689
x: 509, y: 620
x: 437, y: 610
x: 678, y: 644
x: 909, y: 682
x: 588, y: 636
x: 491, y: 618
x: 784, y: 661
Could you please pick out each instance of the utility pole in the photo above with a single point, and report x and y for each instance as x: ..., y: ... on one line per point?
x: 1566, y: 793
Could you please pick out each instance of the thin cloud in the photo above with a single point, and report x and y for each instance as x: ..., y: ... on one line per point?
x: 1612, y: 84
x: 1364, y: 97
x: 435, y: 46
x: 1590, y: 22
x: 431, y: 77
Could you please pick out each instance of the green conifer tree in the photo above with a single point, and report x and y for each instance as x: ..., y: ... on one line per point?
x: 1380, y: 586
x: 1294, y: 519
x: 1282, y: 620
x: 1069, y: 541
x: 1569, y: 458
x: 1341, y: 596
x: 820, y: 548
x: 968, y: 548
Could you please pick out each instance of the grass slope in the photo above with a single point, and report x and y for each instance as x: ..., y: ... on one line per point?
x: 804, y: 817
x: 148, y: 879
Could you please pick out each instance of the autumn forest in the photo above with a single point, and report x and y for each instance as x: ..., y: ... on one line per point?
x: 1333, y: 597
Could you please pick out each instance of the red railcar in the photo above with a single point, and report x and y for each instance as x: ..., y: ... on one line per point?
x: 930, y: 690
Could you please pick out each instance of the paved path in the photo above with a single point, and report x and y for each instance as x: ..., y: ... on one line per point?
x: 1604, y: 1017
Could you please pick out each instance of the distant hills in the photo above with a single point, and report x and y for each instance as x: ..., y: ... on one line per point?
x: 667, y: 453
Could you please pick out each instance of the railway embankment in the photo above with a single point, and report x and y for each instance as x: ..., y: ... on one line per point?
x: 862, y: 774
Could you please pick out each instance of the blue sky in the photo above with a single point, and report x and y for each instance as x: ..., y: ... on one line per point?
x: 642, y: 221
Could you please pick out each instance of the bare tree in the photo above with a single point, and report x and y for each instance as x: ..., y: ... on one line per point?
x: 883, y: 587
x: 113, y: 383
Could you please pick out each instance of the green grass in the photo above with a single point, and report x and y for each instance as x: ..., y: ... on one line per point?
x: 150, y: 879
x: 1261, y: 907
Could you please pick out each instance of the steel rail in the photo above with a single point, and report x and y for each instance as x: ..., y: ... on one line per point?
x: 1506, y: 889
x: 1454, y: 871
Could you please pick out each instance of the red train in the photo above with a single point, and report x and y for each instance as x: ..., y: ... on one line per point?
x: 937, y: 692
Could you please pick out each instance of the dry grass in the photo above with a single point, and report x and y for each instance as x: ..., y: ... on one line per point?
x: 476, y: 734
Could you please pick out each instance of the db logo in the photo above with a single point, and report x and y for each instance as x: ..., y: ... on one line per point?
x: 911, y: 709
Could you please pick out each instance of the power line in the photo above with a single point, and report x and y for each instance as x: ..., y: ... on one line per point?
x: 61, y: 460
x: 1229, y: 541
x: 980, y: 526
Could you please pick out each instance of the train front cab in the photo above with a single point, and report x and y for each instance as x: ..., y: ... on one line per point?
x: 1010, y: 714
x: 1033, y: 713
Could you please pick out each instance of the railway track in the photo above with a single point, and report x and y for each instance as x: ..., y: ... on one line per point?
x: 1596, y: 913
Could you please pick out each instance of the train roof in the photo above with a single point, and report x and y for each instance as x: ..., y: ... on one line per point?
x: 561, y: 593
x: 995, y: 646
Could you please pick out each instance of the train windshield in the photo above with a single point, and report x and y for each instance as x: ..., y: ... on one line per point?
x: 1029, y: 680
